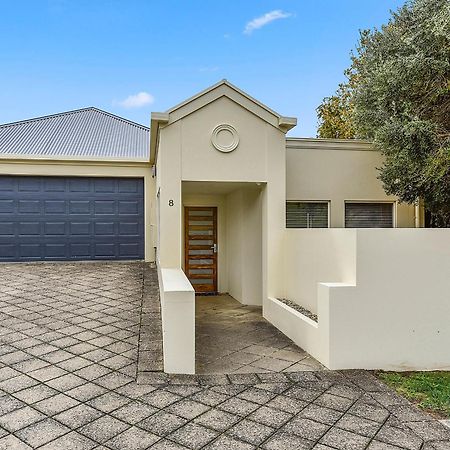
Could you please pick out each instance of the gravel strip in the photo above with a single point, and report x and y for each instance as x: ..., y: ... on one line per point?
x: 298, y: 308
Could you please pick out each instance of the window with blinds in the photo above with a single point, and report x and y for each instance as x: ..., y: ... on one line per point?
x: 306, y: 214
x: 369, y: 215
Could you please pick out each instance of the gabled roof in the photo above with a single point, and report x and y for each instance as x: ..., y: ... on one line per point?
x: 221, y: 89
x: 83, y: 133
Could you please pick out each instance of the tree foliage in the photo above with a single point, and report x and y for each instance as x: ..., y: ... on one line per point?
x: 335, y: 115
x: 398, y: 96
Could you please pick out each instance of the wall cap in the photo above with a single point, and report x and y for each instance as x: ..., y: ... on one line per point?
x: 329, y: 144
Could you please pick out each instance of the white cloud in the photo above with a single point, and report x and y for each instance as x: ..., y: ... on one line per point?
x: 265, y: 19
x: 137, y: 100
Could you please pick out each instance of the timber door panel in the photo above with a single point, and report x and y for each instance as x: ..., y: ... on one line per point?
x: 200, y: 247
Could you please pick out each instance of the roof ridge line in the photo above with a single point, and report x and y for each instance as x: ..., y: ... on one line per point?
x: 73, y: 111
x: 48, y: 116
x: 115, y: 116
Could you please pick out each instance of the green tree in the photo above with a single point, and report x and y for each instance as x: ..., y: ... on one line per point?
x: 399, y: 97
x: 335, y: 115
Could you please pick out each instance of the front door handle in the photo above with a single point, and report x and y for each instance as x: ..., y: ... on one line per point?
x: 214, y: 248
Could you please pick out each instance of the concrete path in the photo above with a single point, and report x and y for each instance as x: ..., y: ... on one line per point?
x: 69, y: 338
x: 233, y: 338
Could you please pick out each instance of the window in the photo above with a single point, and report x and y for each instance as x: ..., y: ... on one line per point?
x: 306, y: 214
x: 369, y: 215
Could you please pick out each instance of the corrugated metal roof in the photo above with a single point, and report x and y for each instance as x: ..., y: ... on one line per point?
x: 87, y: 132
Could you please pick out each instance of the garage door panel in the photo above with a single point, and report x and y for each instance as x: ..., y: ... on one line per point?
x: 7, y: 184
x: 44, y: 218
x: 79, y: 207
x: 32, y: 251
x: 105, y: 186
x: 103, y: 250
x: 29, y: 207
x: 7, y: 228
x: 55, y: 251
x: 129, y: 250
x: 105, y: 207
x: 79, y: 185
x: 104, y: 229
x: 129, y: 228
x: 54, y: 185
x: 80, y: 251
x: 7, y: 252
x: 6, y: 206
x: 55, y: 207
x: 54, y: 228
x: 128, y: 208
x: 31, y: 184
x: 128, y: 186
x: 28, y: 229
x: 80, y: 228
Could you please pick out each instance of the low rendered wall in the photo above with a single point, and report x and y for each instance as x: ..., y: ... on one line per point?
x: 395, y: 315
x: 398, y: 314
x: 315, y: 255
x: 178, y: 321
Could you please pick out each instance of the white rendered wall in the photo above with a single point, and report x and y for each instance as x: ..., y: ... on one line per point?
x: 313, y: 256
x: 399, y: 311
x: 252, y: 248
x: 244, y: 245
x: 343, y: 173
x: 178, y: 321
x: 234, y: 241
x: 393, y: 316
x: 170, y: 218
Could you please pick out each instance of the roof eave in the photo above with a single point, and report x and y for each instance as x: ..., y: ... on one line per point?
x: 287, y: 123
x: 69, y: 159
x: 157, y: 119
x: 329, y: 144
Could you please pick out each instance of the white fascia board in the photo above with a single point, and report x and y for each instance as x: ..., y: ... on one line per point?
x: 157, y: 119
x: 48, y: 159
x: 329, y: 144
x: 225, y: 88
x: 287, y: 123
x: 223, y: 82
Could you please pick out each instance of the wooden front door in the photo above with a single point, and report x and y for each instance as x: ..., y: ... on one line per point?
x: 200, y: 247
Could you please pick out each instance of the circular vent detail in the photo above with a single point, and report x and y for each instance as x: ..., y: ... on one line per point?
x: 225, y: 138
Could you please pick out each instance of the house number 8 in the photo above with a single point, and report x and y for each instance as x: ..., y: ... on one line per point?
x: 170, y: 202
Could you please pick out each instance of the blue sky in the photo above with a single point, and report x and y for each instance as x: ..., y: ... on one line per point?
x: 131, y: 57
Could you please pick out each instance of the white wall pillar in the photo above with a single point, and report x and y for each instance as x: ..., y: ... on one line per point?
x: 274, y: 215
x: 170, y: 200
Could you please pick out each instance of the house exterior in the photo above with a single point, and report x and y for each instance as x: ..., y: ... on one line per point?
x: 223, y: 201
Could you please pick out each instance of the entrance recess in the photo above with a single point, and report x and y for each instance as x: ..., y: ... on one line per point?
x: 200, y: 247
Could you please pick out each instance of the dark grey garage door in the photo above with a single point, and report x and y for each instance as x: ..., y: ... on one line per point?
x: 60, y: 218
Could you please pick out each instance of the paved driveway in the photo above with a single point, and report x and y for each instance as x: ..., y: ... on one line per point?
x: 69, y: 337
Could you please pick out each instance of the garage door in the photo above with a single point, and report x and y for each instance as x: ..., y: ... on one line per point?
x: 56, y: 218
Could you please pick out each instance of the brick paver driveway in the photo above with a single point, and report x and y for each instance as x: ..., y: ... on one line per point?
x: 69, y: 336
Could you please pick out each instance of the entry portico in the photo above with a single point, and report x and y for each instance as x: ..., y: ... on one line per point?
x: 224, y: 149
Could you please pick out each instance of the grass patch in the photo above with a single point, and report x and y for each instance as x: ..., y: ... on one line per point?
x: 429, y: 390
